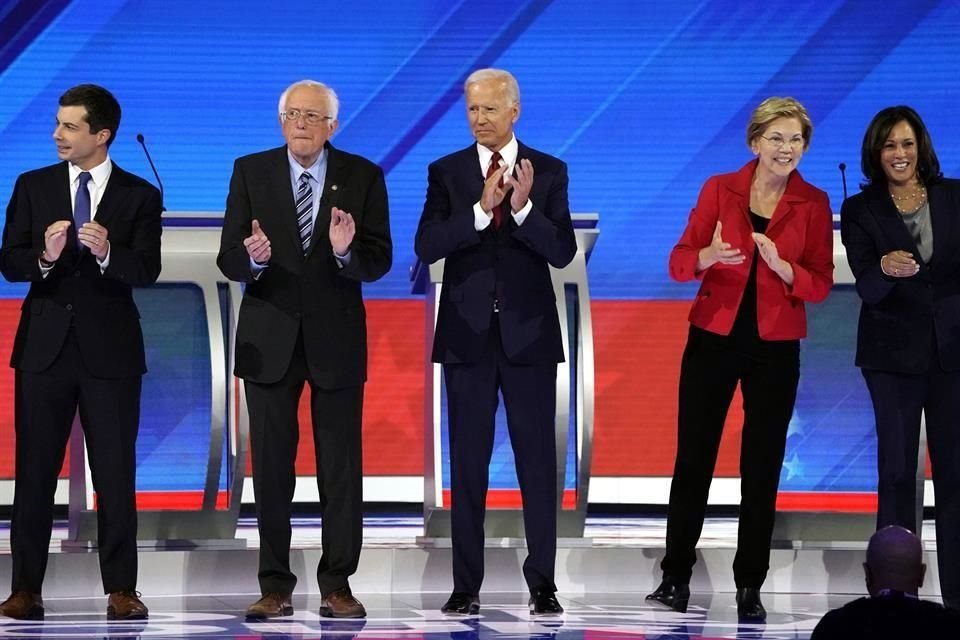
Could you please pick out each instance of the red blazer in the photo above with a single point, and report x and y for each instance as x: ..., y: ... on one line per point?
x: 802, y: 229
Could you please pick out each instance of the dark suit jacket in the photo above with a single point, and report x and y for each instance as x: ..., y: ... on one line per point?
x: 312, y: 294
x: 100, y: 306
x: 802, y: 229
x: 509, y: 265
x: 899, y: 316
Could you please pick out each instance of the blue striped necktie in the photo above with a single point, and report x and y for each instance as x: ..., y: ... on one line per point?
x: 305, y: 210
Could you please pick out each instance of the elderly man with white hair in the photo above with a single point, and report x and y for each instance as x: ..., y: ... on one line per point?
x: 305, y: 225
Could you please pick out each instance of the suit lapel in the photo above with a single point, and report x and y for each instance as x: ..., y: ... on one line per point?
x: 113, y: 197
x: 329, y: 197
x: 940, y: 208
x: 278, y: 182
x: 888, y: 218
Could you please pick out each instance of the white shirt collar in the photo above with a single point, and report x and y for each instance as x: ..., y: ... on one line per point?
x: 98, y: 175
x: 297, y: 169
x: 508, y: 153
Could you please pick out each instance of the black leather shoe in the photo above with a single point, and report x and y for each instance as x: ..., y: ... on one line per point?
x: 673, y: 594
x: 461, y: 604
x: 749, y: 607
x: 544, y: 603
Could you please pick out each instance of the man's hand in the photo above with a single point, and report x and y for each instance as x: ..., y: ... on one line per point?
x: 94, y: 237
x: 258, y: 244
x: 493, y: 191
x: 342, y: 231
x: 521, y: 185
x: 55, y: 239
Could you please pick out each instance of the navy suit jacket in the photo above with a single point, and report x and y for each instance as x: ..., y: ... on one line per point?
x: 509, y: 265
x: 900, y: 316
x: 100, y: 307
x: 309, y: 294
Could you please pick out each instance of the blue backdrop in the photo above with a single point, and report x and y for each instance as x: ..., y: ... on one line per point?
x: 643, y: 100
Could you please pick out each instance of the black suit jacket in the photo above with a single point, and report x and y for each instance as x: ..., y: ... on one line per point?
x: 509, y: 265
x: 900, y: 316
x: 100, y: 306
x: 312, y: 294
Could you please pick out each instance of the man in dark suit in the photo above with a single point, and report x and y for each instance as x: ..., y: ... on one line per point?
x: 894, y: 573
x: 305, y: 224
x: 500, y: 228
x: 82, y: 233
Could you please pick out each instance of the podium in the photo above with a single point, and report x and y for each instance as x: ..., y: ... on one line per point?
x: 575, y: 399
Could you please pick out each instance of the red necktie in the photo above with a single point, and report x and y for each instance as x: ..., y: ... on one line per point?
x: 497, y: 210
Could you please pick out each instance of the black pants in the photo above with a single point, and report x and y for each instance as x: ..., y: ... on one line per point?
x: 529, y: 395
x: 274, y: 434
x: 45, y: 404
x: 708, y: 380
x: 898, y: 400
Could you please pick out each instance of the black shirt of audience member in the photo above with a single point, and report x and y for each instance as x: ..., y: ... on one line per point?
x: 890, y: 615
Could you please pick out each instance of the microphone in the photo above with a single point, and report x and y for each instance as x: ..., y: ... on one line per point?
x: 843, y: 177
x: 157, y: 175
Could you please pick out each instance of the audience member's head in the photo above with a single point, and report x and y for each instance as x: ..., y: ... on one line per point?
x: 894, y: 561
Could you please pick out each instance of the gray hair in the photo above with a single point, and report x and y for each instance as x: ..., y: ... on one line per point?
x: 511, y: 87
x: 332, y: 100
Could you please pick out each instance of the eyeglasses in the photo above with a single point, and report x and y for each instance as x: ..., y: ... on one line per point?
x: 778, y: 141
x: 312, y: 118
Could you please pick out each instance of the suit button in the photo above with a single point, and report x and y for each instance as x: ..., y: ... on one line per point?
x: 76, y: 274
x: 69, y: 307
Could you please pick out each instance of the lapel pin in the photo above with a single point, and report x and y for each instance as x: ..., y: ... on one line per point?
x: 333, y: 187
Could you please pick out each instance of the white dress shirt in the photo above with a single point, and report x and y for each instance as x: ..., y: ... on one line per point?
x: 96, y: 186
x: 508, y: 156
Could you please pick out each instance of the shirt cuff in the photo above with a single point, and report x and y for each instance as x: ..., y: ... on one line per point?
x: 520, y: 216
x: 256, y: 268
x: 106, y: 260
x: 480, y: 218
x: 44, y: 271
x: 343, y: 260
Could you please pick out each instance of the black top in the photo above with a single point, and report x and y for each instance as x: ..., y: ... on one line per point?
x: 892, y: 616
x: 745, y: 337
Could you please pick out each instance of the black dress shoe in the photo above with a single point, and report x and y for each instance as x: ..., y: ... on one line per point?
x: 461, y: 604
x: 544, y: 603
x: 673, y: 594
x: 749, y: 607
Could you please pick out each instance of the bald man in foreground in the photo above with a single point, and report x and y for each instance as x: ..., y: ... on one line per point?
x: 894, y: 573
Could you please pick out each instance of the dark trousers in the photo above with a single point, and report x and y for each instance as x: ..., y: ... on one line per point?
x: 45, y: 404
x: 529, y: 395
x: 898, y: 401
x: 274, y: 434
x: 708, y: 379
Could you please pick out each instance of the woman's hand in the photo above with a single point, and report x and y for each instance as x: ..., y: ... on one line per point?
x: 718, y: 251
x: 899, y: 264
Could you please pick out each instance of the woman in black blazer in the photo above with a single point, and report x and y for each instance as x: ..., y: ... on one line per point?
x: 902, y: 237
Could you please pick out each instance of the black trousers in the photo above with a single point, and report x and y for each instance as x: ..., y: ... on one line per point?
x: 44, y: 405
x: 898, y: 401
x: 529, y: 396
x: 708, y: 380
x: 274, y: 434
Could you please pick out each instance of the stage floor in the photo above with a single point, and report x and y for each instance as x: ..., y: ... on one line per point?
x: 503, y: 615
x: 203, y: 593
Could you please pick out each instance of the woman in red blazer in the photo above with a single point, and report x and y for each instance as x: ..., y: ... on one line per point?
x: 761, y: 242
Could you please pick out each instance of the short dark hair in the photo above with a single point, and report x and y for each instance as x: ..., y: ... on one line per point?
x: 928, y: 166
x: 103, y: 110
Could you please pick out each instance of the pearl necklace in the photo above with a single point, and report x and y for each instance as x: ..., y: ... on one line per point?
x: 918, y: 195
